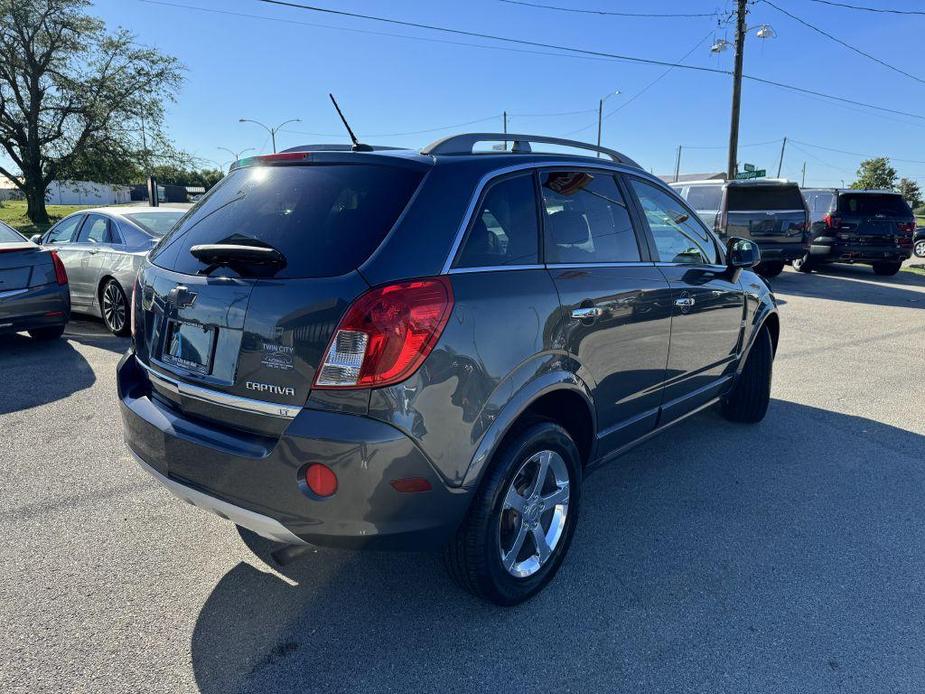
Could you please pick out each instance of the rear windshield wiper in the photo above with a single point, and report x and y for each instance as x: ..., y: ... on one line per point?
x: 242, y: 258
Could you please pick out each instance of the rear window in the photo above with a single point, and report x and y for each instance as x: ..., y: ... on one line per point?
x: 873, y: 204
x: 819, y: 202
x: 325, y: 219
x: 705, y: 197
x: 748, y: 198
x: 155, y: 223
x: 7, y: 235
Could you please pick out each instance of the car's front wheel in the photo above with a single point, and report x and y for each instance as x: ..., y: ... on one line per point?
x: 521, y: 521
x: 114, y: 308
x: 749, y: 398
x: 886, y: 269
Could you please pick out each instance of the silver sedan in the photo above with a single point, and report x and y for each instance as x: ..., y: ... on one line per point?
x: 102, y: 250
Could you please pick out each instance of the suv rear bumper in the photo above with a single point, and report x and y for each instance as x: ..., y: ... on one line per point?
x: 832, y: 250
x: 257, y: 481
x: 781, y: 251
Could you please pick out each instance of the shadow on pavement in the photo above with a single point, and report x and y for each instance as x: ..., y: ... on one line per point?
x: 785, y: 556
x: 855, y: 284
x: 92, y: 332
x: 34, y: 372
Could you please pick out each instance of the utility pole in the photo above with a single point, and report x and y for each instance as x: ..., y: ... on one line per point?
x: 600, y: 118
x: 780, y: 163
x: 736, y: 91
x: 505, y: 130
x: 803, y: 182
x: 677, y: 165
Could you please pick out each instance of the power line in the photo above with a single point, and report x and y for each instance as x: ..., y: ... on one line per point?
x: 750, y: 144
x: 868, y: 9
x: 608, y: 13
x: 615, y: 56
x: 843, y: 43
x: 858, y: 154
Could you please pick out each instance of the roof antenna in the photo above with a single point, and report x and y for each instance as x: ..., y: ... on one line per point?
x: 357, y: 145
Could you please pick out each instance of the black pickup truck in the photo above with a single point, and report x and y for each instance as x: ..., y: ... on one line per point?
x: 871, y: 227
x: 770, y: 212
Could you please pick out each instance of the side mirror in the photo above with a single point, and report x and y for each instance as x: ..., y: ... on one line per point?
x: 36, y: 238
x: 742, y: 253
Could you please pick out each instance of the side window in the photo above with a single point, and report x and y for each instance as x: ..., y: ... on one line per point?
x: 586, y: 219
x: 505, y: 229
x: 65, y: 231
x: 95, y: 230
x: 705, y: 198
x: 679, y: 236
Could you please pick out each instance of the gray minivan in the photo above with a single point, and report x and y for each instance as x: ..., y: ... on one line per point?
x: 770, y: 212
x: 402, y: 349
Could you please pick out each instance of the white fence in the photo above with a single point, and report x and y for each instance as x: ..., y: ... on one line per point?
x: 86, y: 193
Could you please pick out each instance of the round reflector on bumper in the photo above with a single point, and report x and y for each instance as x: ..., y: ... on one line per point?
x: 321, y: 479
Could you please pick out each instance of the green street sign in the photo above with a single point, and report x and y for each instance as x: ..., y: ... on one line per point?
x: 748, y: 167
x: 754, y: 173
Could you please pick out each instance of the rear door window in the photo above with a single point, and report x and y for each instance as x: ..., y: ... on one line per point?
x: 870, y: 204
x: 764, y: 198
x: 326, y: 219
x: 95, y: 230
x: 586, y: 219
x: 65, y: 231
x: 705, y: 197
x: 504, y: 230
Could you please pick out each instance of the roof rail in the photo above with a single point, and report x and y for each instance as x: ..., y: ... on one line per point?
x: 463, y: 144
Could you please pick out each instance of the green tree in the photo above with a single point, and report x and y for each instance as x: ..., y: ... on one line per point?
x: 875, y: 173
x: 71, y: 93
x: 910, y: 191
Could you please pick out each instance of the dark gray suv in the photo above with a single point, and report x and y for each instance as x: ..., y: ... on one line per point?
x: 395, y: 349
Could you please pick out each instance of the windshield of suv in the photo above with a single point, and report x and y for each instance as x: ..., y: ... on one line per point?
x: 155, y: 223
x: 872, y: 204
x: 326, y: 219
x: 705, y: 198
x: 772, y: 197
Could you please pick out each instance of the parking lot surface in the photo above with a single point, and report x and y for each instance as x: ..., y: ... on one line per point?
x: 783, y: 557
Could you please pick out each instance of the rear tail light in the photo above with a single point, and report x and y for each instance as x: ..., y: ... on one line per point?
x: 906, y: 227
x: 386, y: 334
x: 60, y: 272
x: 831, y: 222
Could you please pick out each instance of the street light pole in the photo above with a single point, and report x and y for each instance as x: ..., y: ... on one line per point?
x: 600, y: 117
x: 732, y: 166
x: 270, y: 130
x: 236, y: 155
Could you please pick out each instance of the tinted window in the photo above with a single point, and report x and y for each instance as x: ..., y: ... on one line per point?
x: 95, y: 230
x: 679, y: 235
x: 750, y: 197
x: 155, y: 223
x: 705, y: 197
x: 586, y: 219
x: 65, y: 231
x: 819, y: 202
x: 325, y: 219
x: 504, y: 231
x: 872, y: 204
x: 8, y: 235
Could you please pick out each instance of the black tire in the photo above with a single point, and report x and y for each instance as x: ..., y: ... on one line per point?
x: 474, y: 556
x: 770, y: 269
x: 886, y: 269
x: 114, y: 308
x: 804, y: 264
x: 749, y: 398
x: 919, y: 248
x: 47, y: 333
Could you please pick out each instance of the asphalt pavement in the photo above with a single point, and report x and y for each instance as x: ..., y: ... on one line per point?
x: 783, y: 557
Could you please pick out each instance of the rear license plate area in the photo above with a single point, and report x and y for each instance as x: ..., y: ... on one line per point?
x: 189, y: 346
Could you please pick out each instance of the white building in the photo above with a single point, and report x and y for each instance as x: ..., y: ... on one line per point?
x: 73, y: 193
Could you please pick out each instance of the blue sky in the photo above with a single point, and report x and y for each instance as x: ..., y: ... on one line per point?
x: 244, y: 66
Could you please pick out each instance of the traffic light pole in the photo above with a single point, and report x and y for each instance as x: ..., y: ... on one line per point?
x: 732, y: 167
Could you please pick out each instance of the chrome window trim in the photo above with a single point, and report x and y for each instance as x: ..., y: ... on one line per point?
x: 616, y: 263
x: 235, y: 402
x: 763, y: 211
x: 498, y: 173
x: 492, y: 268
x: 700, y: 266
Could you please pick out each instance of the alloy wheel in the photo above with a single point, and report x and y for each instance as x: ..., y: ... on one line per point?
x: 534, y: 514
x: 114, y: 307
x: 919, y: 249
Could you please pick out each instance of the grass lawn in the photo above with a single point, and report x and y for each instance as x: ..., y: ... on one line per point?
x: 13, y: 212
x: 915, y: 269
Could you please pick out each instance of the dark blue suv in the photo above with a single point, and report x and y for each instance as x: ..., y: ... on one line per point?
x: 408, y: 350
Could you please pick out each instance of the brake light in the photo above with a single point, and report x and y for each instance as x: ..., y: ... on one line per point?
x: 386, y: 334
x: 831, y: 222
x: 906, y: 227
x: 60, y: 272
x: 264, y: 159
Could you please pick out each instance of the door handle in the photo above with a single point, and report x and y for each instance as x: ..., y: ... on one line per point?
x: 587, y: 313
x: 685, y: 302
x: 93, y: 251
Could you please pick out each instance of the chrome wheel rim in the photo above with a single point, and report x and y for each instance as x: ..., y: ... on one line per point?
x: 920, y: 249
x: 534, y: 514
x: 113, y: 307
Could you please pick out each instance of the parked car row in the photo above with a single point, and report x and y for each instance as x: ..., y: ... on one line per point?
x: 808, y: 228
